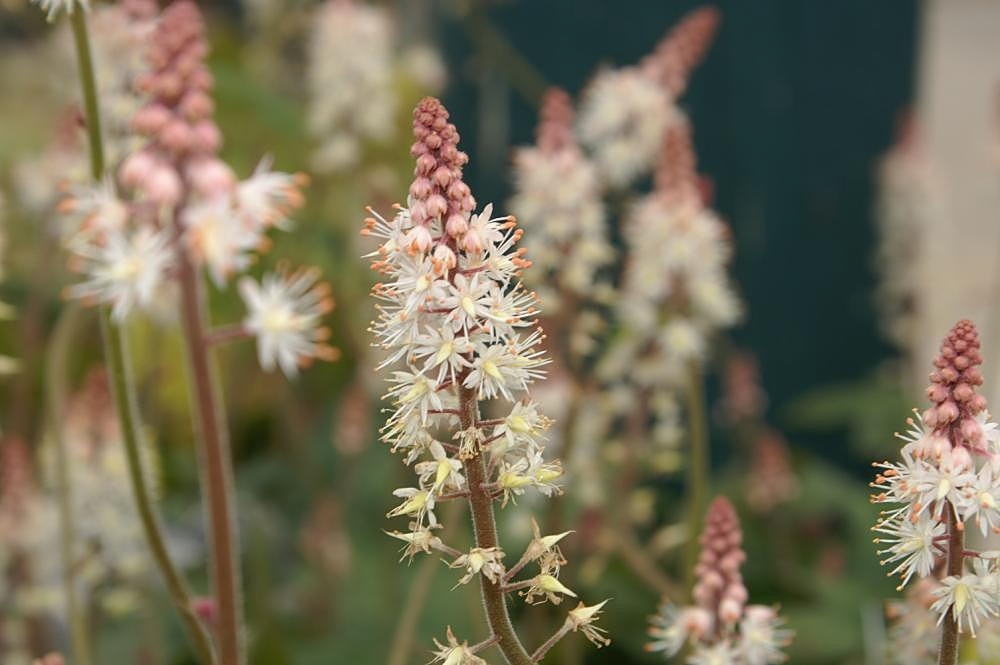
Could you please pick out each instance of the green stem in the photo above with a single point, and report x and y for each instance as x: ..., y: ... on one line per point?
x: 56, y: 367
x: 120, y: 375
x: 56, y: 386
x: 120, y: 372
x: 697, y: 485
x: 948, y: 653
x: 485, y: 528
x: 85, y: 62
x: 216, y: 462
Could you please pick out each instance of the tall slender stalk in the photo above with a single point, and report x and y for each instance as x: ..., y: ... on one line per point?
x: 216, y: 462
x: 56, y: 386
x: 697, y: 476
x: 485, y: 528
x: 120, y: 375
x: 948, y: 653
x: 122, y: 383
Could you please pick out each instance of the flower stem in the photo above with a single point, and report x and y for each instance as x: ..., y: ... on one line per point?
x: 485, y: 527
x: 948, y: 653
x: 216, y: 462
x: 549, y: 643
x: 56, y: 387
x: 697, y: 485
x: 85, y: 63
x: 120, y: 375
x: 121, y: 382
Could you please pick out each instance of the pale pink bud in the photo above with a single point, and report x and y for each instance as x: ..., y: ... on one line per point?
x: 163, y: 186
x: 136, y: 168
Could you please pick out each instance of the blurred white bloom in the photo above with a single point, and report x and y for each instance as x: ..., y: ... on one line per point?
x: 122, y: 270
x: 350, y: 81
x: 284, y: 313
x: 971, y: 598
x: 220, y: 238
x: 623, y: 117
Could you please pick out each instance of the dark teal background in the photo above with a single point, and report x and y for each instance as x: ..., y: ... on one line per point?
x: 791, y: 109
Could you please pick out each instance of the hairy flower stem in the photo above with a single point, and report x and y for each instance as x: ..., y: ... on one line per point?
x: 485, y: 527
x: 948, y: 654
x: 56, y: 385
x: 123, y: 395
x: 216, y: 463
x: 697, y: 476
x: 120, y: 375
x: 85, y: 64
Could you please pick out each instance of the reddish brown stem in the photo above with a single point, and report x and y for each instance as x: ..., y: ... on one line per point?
x: 485, y: 527
x: 216, y: 464
x: 948, y: 654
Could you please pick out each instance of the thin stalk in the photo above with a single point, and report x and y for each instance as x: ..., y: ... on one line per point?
x: 485, y: 528
x: 57, y: 388
x: 697, y: 476
x: 120, y: 375
x: 549, y: 643
x: 948, y: 653
x: 216, y: 463
x: 88, y: 83
x: 120, y: 371
x: 57, y: 364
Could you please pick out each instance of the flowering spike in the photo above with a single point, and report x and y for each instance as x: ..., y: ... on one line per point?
x: 676, y: 179
x: 720, y: 626
x: 555, y: 126
x: 683, y: 49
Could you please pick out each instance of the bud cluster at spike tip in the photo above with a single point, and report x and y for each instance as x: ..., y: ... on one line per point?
x: 720, y: 627
x: 947, y: 478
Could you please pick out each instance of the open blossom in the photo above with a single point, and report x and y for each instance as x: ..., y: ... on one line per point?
x: 284, y: 313
x: 123, y: 271
x: 946, y: 478
x: 720, y: 626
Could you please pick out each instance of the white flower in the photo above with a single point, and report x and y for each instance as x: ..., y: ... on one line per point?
x: 970, y: 598
x: 123, y: 271
x: 417, y: 503
x: 284, y: 313
x: 623, y: 117
x: 219, y: 237
x: 761, y: 636
x: 267, y: 196
x: 582, y: 617
x: 549, y: 588
x: 720, y: 653
x: 454, y: 653
x: 488, y: 561
x: 913, y: 544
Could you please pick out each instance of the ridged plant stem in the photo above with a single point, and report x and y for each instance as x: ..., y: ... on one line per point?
x: 122, y: 390
x: 215, y: 461
x: 120, y: 375
x: 485, y: 528
x: 697, y: 472
x: 948, y: 653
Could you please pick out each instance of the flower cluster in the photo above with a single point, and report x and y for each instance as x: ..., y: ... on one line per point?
x: 454, y: 313
x: 948, y: 480
x: 558, y: 201
x: 720, y: 627
x: 351, y: 80
x: 186, y: 206
x: 625, y: 112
